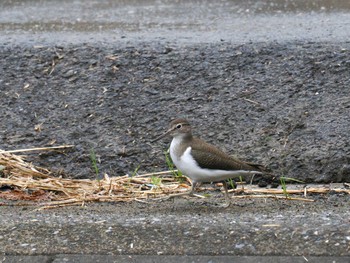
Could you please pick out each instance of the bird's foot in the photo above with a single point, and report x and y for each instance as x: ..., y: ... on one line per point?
x: 224, y: 205
x: 172, y: 196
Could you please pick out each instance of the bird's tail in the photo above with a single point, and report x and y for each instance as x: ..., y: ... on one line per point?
x: 258, y: 167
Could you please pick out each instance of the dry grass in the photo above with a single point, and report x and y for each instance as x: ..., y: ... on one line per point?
x: 24, y: 181
x: 22, y: 176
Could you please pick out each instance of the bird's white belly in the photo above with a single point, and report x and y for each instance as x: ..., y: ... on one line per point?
x: 189, y: 167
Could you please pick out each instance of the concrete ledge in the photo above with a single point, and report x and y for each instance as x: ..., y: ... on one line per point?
x: 168, y: 259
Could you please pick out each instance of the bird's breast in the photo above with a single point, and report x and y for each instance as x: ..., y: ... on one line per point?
x: 175, y: 151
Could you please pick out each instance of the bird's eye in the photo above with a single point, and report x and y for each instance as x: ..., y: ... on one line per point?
x: 178, y: 126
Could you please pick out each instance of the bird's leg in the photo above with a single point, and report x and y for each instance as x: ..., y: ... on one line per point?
x: 228, y: 200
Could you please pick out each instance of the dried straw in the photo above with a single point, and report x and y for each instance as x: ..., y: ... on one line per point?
x: 22, y: 177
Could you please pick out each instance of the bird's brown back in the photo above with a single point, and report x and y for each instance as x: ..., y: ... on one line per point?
x: 210, y: 157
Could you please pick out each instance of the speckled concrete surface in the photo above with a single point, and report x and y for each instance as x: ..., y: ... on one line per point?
x: 182, y: 227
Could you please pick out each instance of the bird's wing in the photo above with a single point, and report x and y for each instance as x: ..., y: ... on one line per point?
x: 211, y: 161
x: 216, y: 159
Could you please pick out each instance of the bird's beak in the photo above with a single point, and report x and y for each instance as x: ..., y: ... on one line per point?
x: 163, y: 135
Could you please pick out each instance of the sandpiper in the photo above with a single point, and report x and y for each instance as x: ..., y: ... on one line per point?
x: 203, y: 162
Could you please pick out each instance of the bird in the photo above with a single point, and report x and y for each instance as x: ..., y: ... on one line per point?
x: 203, y: 162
